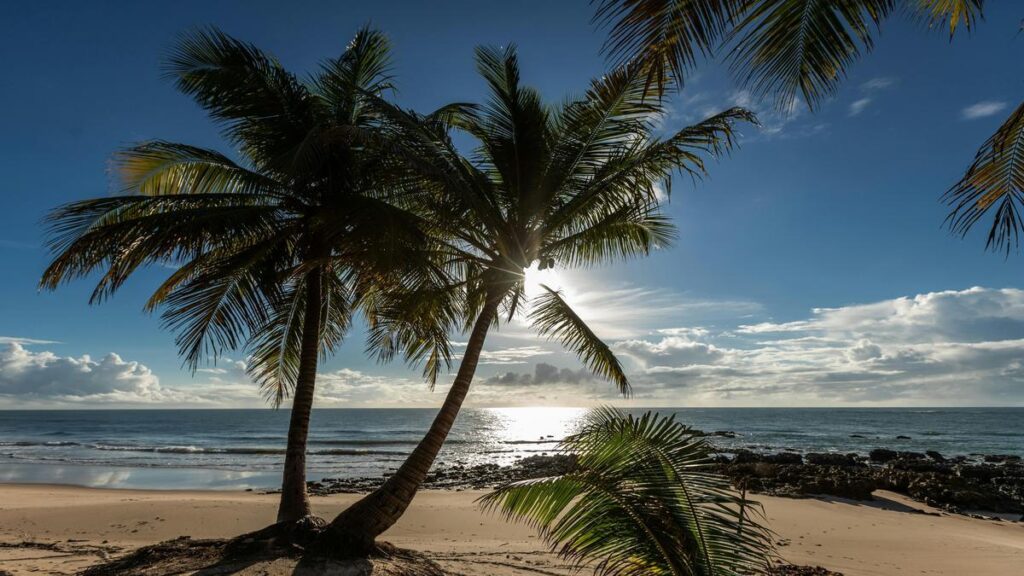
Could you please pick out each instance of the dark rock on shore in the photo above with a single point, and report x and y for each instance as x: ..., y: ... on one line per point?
x: 952, y: 484
x: 882, y: 455
x: 995, y: 458
x: 719, y: 433
x: 798, y: 480
x: 830, y: 459
x: 458, y: 476
x: 955, y: 484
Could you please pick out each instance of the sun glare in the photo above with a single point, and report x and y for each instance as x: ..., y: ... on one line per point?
x: 547, y: 423
x: 566, y: 284
x: 535, y: 278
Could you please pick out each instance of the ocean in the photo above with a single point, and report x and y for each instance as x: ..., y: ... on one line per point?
x: 234, y: 449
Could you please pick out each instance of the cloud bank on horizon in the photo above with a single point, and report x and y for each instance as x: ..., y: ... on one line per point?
x: 952, y: 347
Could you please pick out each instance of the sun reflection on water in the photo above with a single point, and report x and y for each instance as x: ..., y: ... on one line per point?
x: 533, y: 423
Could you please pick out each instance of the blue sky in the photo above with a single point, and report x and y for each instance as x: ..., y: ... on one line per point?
x: 811, y: 269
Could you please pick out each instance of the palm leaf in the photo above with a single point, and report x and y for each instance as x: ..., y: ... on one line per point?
x: 122, y: 233
x: 633, y: 172
x: 628, y: 232
x: 665, y: 38
x: 591, y: 131
x: 275, y: 348
x: 225, y: 300
x: 553, y: 317
x: 263, y: 107
x: 994, y: 181
x: 951, y: 13
x: 787, y: 48
x: 641, y: 501
x: 364, y: 68
x: 513, y: 132
x: 160, y: 168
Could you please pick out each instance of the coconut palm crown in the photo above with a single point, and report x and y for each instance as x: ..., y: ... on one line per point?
x: 273, y: 252
x: 569, y: 185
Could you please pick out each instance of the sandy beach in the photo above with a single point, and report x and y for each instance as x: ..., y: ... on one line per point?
x: 60, y: 529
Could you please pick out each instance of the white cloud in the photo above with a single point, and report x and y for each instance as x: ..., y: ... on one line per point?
x: 975, y: 314
x: 871, y: 86
x: 982, y: 109
x: 689, y: 331
x: 938, y: 348
x: 514, y: 355
x: 859, y: 106
x: 669, y: 351
x: 354, y: 388
x: 626, y: 311
x: 876, y: 84
x: 543, y: 374
x: 35, y: 375
x: 774, y: 121
x: 951, y: 347
x: 25, y: 341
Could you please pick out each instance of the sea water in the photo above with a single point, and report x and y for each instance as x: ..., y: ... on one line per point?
x: 245, y: 448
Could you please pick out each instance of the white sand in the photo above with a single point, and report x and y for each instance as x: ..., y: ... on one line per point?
x: 888, y: 537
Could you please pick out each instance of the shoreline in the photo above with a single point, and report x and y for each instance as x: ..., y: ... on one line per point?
x: 988, y: 485
x: 57, y: 529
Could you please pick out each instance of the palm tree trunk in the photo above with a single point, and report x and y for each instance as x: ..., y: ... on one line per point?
x: 294, y: 500
x: 359, y: 525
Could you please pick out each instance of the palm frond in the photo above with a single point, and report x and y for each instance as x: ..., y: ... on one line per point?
x: 263, y: 107
x: 275, y: 348
x: 789, y: 48
x: 224, y: 301
x: 450, y: 186
x: 552, y: 316
x: 122, y: 233
x: 512, y: 131
x: 591, y: 131
x: 413, y: 318
x: 666, y: 38
x: 641, y: 501
x: 160, y: 168
x: 364, y: 68
x: 628, y: 232
x: 632, y: 175
x: 951, y: 13
x: 994, y: 181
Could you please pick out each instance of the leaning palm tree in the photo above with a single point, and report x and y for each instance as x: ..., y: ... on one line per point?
x: 782, y: 49
x: 276, y: 251
x: 567, y: 185
x: 641, y: 501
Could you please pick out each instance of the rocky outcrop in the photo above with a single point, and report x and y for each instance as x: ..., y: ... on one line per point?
x: 983, y: 483
x: 953, y: 484
x: 459, y: 476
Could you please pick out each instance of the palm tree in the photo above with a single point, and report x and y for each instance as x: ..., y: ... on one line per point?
x: 782, y: 49
x: 641, y: 501
x: 276, y: 251
x: 567, y: 185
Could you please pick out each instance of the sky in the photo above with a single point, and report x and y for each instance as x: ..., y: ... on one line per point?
x: 812, y: 267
